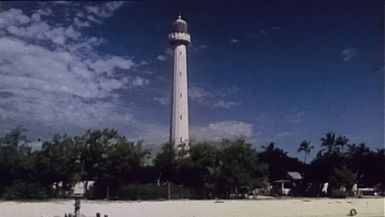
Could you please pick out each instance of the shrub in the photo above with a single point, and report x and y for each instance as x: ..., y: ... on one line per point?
x: 151, y: 192
x: 338, y: 194
x: 23, y: 190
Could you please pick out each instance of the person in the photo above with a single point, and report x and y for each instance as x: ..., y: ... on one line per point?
x: 325, y: 188
x: 355, y: 189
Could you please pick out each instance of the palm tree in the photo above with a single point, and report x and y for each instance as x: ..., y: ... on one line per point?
x: 269, y: 147
x: 360, y: 149
x: 352, y: 148
x: 306, y: 148
x: 329, y: 143
x: 342, y: 141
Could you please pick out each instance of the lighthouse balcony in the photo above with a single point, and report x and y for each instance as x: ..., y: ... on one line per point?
x: 179, y: 37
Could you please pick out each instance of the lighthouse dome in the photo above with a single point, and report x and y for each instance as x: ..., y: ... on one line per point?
x: 179, y: 25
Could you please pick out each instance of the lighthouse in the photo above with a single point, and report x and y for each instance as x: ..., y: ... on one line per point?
x: 179, y: 126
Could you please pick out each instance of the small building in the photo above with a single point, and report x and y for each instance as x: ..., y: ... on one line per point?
x: 81, y: 188
x: 290, y: 182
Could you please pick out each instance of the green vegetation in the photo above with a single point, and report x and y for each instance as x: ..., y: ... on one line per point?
x: 208, y: 170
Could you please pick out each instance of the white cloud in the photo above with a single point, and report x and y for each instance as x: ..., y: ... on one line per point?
x: 232, y: 90
x: 198, y: 94
x: 14, y: 17
x: 295, y: 118
x: 83, y: 14
x: 221, y: 130
x: 285, y: 134
x: 235, y: 41
x: 139, y: 82
x: 226, y: 104
x: 44, y: 11
x: 109, y: 63
x: 51, y: 76
x: 53, y: 86
x: 37, y: 29
x: 80, y: 24
x: 162, y: 100
x: 213, y: 99
x: 31, y: 66
x: 161, y: 57
x: 202, y: 46
x: 349, y: 53
x: 167, y: 54
x: 152, y: 133
x: 198, y: 47
x: 169, y: 51
x: 99, y: 11
x: 262, y: 31
x: 61, y: 2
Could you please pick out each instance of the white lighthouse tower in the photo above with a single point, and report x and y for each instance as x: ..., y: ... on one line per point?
x: 179, y: 129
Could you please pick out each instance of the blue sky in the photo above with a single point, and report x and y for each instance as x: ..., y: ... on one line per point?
x: 265, y: 70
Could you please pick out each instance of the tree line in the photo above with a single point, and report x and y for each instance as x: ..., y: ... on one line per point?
x: 121, y: 169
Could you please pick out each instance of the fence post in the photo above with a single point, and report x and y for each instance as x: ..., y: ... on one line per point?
x: 168, y: 190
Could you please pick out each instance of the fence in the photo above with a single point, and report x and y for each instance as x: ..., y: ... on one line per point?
x: 153, y: 192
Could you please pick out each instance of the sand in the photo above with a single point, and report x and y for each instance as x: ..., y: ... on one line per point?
x: 309, y: 207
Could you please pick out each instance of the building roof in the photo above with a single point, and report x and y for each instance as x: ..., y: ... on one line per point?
x: 295, y: 175
x: 282, y: 180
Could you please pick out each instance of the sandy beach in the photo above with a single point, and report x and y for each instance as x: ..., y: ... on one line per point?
x: 304, y: 207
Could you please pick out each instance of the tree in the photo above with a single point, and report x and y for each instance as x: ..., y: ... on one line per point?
x: 344, y: 176
x: 341, y: 141
x: 279, y: 162
x: 359, y: 157
x: 213, y: 168
x: 203, y: 168
x: 18, y: 179
x: 166, y: 163
x: 111, y: 160
x: 55, y: 164
x: 228, y: 166
x: 93, y: 146
x: 306, y: 148
x: 331, y: 165
x: 122, y: 163
x: 99, y: 155
x: 238, y: 165
x: 14, y: 158
x: 328, y: 144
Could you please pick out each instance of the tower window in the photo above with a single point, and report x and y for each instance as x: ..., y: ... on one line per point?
x: 180, y: 74
x: 180, y: 139
x: 180, y: 117
x: 180, y: 53
x: 180, y: 95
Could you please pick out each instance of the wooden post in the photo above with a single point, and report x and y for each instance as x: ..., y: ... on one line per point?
x: 168, y: 190
x: 282, y: 188
x: 77, y: 206
x: 108, y: 191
